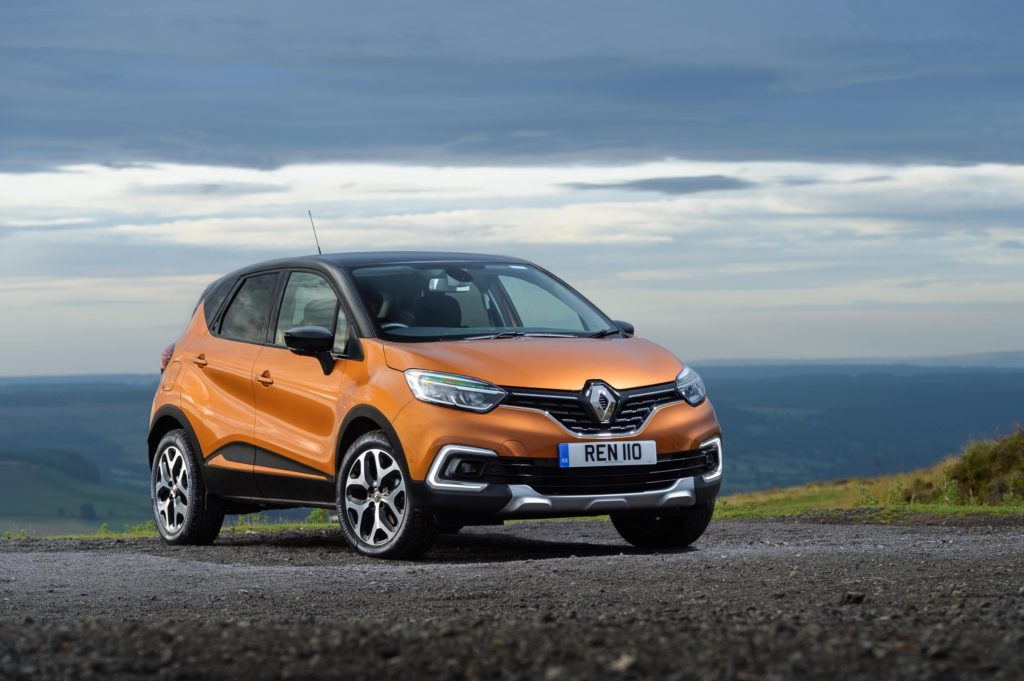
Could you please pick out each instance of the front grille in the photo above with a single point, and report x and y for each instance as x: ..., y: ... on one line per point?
x: 571, y: 410
x: 546, y: 477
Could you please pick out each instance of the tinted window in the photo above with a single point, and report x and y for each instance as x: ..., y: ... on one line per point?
x: 214, y: 296
x: 246, y: 317
x: 438, y: 301
x: 310, y: 301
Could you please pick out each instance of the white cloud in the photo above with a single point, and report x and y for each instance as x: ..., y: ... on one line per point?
x: 814, y: 244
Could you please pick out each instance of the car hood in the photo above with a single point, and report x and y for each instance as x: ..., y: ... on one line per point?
x: 548, y: 363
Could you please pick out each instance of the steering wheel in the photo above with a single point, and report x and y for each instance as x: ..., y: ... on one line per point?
x: 394, y: 325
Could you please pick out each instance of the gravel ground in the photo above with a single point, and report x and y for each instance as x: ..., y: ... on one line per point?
x: 778, y: 599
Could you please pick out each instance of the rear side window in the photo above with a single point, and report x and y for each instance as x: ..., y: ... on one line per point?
x: 246, y: 316
x: 213, y: 298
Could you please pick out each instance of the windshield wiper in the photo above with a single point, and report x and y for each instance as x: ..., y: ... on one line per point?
x: 500, y: 334
x: 520, y: 334
x: 604, y: 333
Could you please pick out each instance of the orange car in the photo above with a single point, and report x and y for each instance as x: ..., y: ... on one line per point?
x: 416, y: 393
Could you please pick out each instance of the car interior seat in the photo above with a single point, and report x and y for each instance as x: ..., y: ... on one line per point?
x: 438, y: 309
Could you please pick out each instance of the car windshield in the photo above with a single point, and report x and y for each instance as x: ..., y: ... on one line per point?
x: 450, y: 301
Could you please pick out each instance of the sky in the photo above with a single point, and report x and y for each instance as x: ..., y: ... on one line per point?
x: 785, y: 180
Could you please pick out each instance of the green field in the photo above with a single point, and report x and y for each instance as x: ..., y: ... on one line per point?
x: 41, y: 500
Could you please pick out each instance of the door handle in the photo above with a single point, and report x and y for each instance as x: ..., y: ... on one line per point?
x: 265, y: 378
x: 200, y: 360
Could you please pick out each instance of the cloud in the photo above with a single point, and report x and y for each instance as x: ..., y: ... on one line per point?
x: 260, y: 85
x: 817, y: 268
x: 221, y: 188
x: 670, y: 185
x: 369, y: 205
x: 762, y: 179
x: 51, y: 223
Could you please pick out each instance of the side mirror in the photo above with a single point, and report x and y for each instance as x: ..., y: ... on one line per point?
x: 626, y: 327
x: 312, y: 341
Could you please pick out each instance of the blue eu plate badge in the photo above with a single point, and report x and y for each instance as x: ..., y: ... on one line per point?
x: 563, y: 455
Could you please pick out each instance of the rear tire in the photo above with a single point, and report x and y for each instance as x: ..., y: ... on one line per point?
x: 375, y: 509
x: 184, y: 513
x: 670, y: 529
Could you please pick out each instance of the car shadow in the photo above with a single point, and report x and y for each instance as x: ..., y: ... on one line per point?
x: 481, y: 546
x: 518, y: 542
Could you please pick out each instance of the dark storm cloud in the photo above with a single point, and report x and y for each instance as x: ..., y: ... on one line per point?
x: 264, y: 83
x: 671, y: 185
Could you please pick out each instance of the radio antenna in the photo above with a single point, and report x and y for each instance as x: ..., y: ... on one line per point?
x: 311, y: 224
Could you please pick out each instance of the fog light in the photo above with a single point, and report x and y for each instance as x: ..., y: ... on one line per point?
x: 465, y: 469
x: 713, y: 452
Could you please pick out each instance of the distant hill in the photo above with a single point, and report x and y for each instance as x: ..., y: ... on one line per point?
x: 990, y: 360
x: 790, y: 425
x: 76, y: 440
x: 62, y: 492
x: 998, y: 360
x: 147, y: 380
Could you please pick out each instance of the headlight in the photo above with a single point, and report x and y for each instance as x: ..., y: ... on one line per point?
x: 453, y: 391
x: 691, y: 386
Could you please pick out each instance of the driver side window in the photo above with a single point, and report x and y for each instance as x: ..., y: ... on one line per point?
x: 310, y: 301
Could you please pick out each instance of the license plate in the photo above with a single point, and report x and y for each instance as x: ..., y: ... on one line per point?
x: 631, y: 453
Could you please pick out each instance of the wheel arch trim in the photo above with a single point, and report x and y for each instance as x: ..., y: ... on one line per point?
x: 162, y: 417
x: 376, y: 416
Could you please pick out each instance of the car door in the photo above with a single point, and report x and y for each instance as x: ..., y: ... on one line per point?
x: 219, y: 399
x: 296, y: 403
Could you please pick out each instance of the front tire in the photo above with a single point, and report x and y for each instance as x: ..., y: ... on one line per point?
x: 184, y: 513
x: 377, y: 515
x: 671, y: 529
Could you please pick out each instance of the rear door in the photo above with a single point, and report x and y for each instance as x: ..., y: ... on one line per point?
x: 296, y: 404
x: 218, y: 397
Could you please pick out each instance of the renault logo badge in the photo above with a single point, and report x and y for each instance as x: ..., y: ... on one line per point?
x: 602, y: 402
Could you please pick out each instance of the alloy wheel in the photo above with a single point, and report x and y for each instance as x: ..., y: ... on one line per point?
x: 375, y: 497
x: 172, y: 492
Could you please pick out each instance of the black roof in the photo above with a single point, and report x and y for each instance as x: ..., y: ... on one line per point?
x: 405, y: 257
x: 373, y: 258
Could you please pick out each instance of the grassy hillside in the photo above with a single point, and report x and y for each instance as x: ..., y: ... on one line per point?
x: 988, y: 477
x: 41, y: 499
x: 103, y: 420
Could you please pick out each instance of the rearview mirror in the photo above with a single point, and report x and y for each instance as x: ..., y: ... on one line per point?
x: 313, y: 341
x: 626, y: 327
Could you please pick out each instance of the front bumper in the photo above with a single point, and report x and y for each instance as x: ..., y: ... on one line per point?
x: 500, y: 501
x: 425, y: 429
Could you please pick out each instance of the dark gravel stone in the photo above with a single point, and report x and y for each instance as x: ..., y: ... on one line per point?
x: 852, y: 598
x: 542, y: 600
